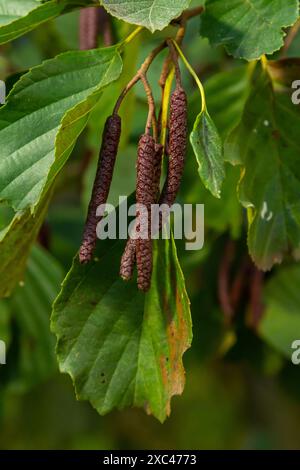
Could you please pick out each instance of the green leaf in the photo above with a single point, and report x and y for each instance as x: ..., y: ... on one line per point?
x: 153, y: 14
x: 248, y: 28
x: 122, y: 347
x: 280, y: 325
x: 15, y: 243
x: 267, y: 144
x: 45, y: 112
x: 17, y: 17
x: 208, y: 148
x: 33, y: 358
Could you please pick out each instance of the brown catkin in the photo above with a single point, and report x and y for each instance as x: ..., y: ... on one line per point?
x: 106, y: 162
x: 177, y: 146
x: 176, y: 150
x: 89, y: 28
x: 144, y: 195
x: 129, y: 256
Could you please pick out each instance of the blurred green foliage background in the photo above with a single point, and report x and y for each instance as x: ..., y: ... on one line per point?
x: 240, y: 392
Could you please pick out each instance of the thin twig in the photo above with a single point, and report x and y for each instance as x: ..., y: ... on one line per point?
x: 168, y: 60
x: 151, y: 120
x: 174, y: 57
x: 128, y: 87
x: 138, y: 76
x: 187, y: 14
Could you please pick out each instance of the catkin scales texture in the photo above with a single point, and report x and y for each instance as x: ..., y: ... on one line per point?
x: 177, y: 145
x: 106, y: 162
x: 144, y: 263
x: 145, y: 170
x: 144, y: 194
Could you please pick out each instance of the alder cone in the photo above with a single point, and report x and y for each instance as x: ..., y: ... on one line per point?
x: 106, y: 163
x: 177, y: 145
x: 88, y: 28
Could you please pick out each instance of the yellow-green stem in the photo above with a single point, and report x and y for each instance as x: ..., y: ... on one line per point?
x: 194, y: 75
x: 264, y: 62
x: 131, y: 36
x: 165, y: 106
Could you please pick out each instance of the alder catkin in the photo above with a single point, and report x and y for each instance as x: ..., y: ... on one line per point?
x: 106, y: 162
x: 144, y: 196
x: 177, y: 146
x: 89, y: 28
x: 129, y: 256
x: 177, y: 150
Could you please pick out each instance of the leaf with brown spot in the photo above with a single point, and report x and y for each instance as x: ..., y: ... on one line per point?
x: 106, y: 326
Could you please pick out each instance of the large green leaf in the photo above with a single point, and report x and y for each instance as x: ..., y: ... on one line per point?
x: 267, y: 144
x: 15, y: 243
x: 208, y: 148
x: 31, y: 356
x: 45, y: 112
x: 248, y: 28
x: 280, y: 325
x: 153, y: 14
x: 120, y: 346
x: 17, y: 17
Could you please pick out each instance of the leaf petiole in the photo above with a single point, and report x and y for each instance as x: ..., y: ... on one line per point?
x: 130, y: 37
x: 193, y: 73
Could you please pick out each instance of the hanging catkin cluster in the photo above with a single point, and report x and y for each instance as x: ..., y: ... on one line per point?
x: 177, y: 150
x: 138, y: 248
x: 129, y: 256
